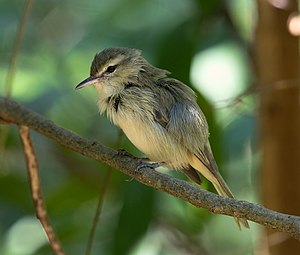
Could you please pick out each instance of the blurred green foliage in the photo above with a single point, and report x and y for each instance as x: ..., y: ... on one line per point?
x: 60, y: 40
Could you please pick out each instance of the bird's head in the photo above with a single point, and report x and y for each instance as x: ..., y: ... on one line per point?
x: 113, y: 68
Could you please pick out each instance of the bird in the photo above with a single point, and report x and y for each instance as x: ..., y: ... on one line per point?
x: 158, y: 114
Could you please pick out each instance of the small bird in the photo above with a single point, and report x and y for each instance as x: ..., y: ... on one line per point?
x: 159, y: 115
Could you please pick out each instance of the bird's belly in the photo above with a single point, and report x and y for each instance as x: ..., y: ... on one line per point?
x: 154, y: 141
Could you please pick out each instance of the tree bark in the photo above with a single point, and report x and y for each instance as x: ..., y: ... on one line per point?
x: 277, y: 63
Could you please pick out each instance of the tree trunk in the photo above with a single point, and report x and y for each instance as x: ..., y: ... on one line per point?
x: 277, y: 63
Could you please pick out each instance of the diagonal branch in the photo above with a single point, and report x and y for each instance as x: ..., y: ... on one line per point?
x: 12, y: 112
x: 34, y: 179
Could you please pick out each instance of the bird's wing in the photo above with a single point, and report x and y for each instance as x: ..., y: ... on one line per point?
x: 185, y: 122
x: 183, y: 119
x: 193, y: 174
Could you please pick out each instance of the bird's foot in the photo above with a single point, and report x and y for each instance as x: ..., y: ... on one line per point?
x: 153, y: 165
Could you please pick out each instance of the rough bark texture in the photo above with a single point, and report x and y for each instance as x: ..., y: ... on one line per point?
x: 11, y: 112
x: 277, y: 59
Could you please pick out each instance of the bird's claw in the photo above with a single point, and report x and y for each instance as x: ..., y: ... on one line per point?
x: 143, y: 164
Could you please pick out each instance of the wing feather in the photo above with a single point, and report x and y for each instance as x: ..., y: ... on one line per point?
x: 186, y: 123
x: 179, y: 113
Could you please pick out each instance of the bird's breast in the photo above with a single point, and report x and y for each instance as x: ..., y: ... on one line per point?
x: 152, y: 139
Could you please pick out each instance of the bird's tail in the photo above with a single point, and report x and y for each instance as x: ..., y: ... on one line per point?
x: 216, y: 179
x: 223, y: 190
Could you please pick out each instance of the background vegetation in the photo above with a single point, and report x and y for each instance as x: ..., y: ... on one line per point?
x: 206, y: 44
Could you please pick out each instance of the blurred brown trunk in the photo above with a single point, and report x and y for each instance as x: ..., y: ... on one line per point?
x: 277, y: 62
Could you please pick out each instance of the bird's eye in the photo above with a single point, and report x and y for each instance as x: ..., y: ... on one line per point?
x: 111, y: 69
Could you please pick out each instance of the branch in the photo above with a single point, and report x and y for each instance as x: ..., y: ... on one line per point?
x: 12, y: 112
x: 35, y: 185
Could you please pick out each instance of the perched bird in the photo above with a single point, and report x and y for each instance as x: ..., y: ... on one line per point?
x: 159, y: 115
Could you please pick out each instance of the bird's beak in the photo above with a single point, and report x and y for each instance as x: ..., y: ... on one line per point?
x: 88, y: 81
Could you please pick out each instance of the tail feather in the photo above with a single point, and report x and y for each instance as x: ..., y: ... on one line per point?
x: 220, y: 185
x: 223, y: 190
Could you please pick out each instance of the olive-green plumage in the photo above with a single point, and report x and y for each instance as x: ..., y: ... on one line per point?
x: 159, y: 115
